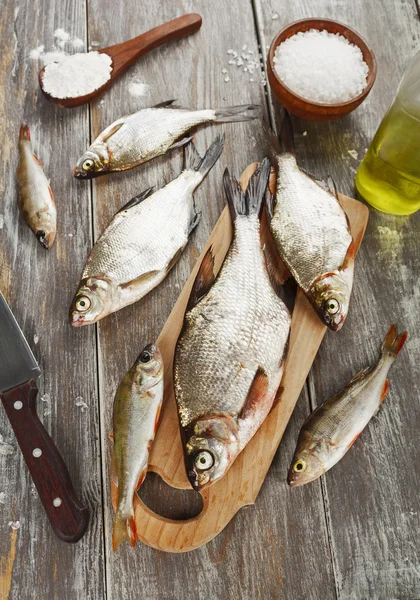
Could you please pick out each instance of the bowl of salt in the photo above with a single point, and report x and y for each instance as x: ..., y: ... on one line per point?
x: 320, y: 69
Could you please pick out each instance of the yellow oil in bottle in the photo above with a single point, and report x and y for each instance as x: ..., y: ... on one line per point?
x: 389, y: 175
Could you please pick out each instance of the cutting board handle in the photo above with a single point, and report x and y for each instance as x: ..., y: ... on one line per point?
x: 67, y: 516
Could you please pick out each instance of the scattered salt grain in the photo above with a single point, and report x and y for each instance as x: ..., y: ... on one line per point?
x: 2, y: 498
x: 227, y: 78
x: 46, y: 398
x: 36, y: 339
x: 77, y: 75
x: 61, y: 34
x: 137, y: 88
x: 274, y: 17
x: 321, y: 66
x: 81, y: 403
x: 353, y: 154
x: 14, y: 524
x: 305, y: 133
x: 35, y: 53
x: 224, y: 70
x: 78, y: 44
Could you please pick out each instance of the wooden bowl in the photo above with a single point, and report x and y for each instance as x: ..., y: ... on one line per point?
x: 306, y: 109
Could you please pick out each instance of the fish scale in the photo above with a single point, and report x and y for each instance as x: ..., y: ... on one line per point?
x: 261, y: 329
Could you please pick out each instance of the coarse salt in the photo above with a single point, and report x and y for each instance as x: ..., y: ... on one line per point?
x: 321, y: 66
x: 77, y: 75
x: 136, y: 88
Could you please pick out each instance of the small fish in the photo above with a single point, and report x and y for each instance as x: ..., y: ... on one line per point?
x: 331, y: 430
x: 137, y: 407
x: 230, y: 354
x: 36, y: 200
x: 312, y: 235
x: 137, y: 138
x: 142, y: 243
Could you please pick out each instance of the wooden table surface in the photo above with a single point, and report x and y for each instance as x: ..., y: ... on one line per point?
x: 353, y: 534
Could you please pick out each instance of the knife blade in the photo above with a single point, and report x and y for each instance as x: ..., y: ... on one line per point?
x: 18, y: 391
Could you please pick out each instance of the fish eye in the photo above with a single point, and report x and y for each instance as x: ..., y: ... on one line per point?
x: 332, y: 306
x: 145, y: 356
x: 299, y: 466
x: 88, y: 164
x: 83, y: 303
x: 204, y: 460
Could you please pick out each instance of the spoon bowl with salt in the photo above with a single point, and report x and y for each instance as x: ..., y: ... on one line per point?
x: 81, y: 78
x: 320, y: 69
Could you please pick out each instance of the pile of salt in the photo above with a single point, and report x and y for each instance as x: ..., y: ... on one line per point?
x: 77, y: 75
x: 321, y: 66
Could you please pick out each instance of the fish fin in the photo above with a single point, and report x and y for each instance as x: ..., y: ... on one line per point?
x: 359, y: 375
x: 286, y: 137
x: 157, y: 417
x: 137, y: 199
x: 256, y: 394
x: 350, y: 256
x: 393, y: 343
x: 111, y: 436
x: 141, y: 478
x: 277, y: 271
x: 384, y: 390
x: 139, y: 280
x: 194, y: 222
x: 165, y: 104
x: 250, y: 202
x: 124, y: 529
x: 37, y: 160
x: 25, y: 132
x: 50, y: 192
x: 232, y: 114
x: 269, y: 205
x: 182, y: 142
x: 111, y: 130
x: 204, y: 279
x: 356, y: 437
x: 194, y: 162
x: 174, y: 259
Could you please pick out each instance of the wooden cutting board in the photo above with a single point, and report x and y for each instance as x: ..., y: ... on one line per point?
x: 240, y: 486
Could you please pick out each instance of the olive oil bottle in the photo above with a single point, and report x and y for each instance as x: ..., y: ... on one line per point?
x: 389, y: 175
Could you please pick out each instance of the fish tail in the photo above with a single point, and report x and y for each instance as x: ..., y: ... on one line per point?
x: 231, y: 114
x: 250, y: 202
x: 124, y: 529
x: 25, y: 132
x: 393, y: 342
x: 194, y: 162
x: 285, y: 143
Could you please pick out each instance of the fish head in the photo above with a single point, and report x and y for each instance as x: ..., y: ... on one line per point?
x: 93, y: 301
x: 210, y: 450
x: 307, y: 464
x: 93, y: 163
x: 330, y: 295
x: 45, y: 238
x: 149, y: 366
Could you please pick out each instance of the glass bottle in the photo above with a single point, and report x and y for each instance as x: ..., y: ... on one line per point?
x: 389, y: 175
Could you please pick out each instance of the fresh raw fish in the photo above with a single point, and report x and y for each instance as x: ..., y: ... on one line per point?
x: 137, y: 138
x: 230, y: 355
x: 331, y: 430
x: 312, y: 236
x: 137, y: 407
x: 142, y: 243
x: 36, y: 200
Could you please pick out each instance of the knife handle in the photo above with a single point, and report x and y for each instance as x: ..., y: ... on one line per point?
x: 67, y: 516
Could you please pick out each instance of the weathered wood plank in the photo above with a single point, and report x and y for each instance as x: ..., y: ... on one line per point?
x: 39, y: 285
x: 372, y: 495
x: 264, y: 550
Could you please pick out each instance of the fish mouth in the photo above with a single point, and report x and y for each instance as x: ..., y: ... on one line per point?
x: 77, y: 320
x: 45, y: 239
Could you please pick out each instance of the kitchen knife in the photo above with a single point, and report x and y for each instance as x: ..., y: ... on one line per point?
x: 18, y: 391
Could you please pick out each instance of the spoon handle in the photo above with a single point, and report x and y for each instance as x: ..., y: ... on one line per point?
x: 125, y: 54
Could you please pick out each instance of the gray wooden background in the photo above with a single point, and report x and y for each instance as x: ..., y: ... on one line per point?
x: 354, y: 534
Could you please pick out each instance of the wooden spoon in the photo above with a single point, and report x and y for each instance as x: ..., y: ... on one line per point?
x: 125, y: 54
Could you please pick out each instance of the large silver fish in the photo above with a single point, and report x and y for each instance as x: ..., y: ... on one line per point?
x: 36, y: 200
x: 142, y: 243
x: 137, y: 138
x: 230, y: 354
x: 137, y: 407
x: 331, y: 430
x: 312, y: 236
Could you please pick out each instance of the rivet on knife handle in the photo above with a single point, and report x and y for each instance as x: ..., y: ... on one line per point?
x: 67, y: 516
